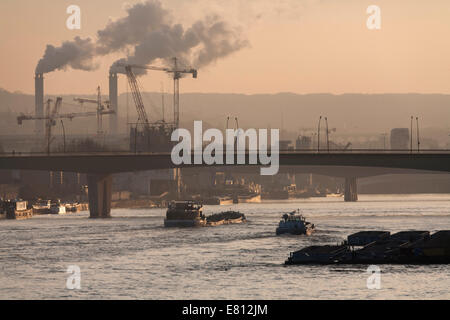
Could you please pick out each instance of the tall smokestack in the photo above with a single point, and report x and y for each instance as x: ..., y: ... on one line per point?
x: 39, y: 102
x: 113, y: 102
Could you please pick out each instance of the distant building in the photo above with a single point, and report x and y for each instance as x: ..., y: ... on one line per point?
x: 400, y: 139
x: 303, y: 143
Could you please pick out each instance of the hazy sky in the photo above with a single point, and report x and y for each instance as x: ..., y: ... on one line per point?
x: 296, y: 46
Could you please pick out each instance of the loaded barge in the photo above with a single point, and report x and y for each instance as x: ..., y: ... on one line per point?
x: 380, y: 247
x: 190, y: 214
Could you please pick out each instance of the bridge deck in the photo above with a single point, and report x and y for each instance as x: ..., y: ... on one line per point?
x: 114, y: 162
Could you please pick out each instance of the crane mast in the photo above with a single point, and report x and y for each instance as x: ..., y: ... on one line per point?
x: 50, y: 121
x: 100, y: 109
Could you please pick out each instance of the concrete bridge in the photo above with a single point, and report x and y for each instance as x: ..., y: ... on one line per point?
x: 99, y: 167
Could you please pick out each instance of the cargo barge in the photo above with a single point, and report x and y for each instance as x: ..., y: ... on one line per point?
x: 15, y: 210
x: 380, y: 247
x: 248, y: 198
x: 190, y: 214
x: 219, y: 201
x: 42, y: 207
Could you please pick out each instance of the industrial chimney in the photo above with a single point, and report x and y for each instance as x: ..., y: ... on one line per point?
x: 113, y: 102
x: 39, y: 102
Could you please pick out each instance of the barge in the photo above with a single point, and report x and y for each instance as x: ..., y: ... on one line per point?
x: 190, y: 214
x: 405, y: 247
x: 16, y: 210
x: 57, y: 208
x: 42, y: 207
x: 249, y: 198
x: 219, y: 201
x: 227, y: 217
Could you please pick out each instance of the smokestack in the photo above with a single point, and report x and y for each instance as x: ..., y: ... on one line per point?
x: 113, y: 102
x: 39, y: 102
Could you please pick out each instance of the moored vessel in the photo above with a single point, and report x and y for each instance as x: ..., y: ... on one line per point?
x: 249, y: 198
x: 16, y: 209
x: 42, y: 207
x: 219, y: 201
x: 57, y: 208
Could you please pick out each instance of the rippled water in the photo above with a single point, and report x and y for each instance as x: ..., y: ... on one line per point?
x: 133, y: 257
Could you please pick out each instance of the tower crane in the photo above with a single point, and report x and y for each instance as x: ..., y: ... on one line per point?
x: 101, y: 110
x: 53, y: 114
x: 176, y: 72
x: 50, y: 121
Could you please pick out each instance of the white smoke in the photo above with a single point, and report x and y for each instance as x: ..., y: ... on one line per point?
x: 141, y: 19
x: 147, y: 31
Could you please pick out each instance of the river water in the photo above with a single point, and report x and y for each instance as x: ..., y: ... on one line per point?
x: 132, y: 256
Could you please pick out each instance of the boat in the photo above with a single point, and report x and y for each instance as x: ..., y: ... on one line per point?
x: 335, y: 195
x: 72, y: 207
x: 249, y: 198
x: 16, y: 209
x: 42, y: 207
x: 294, y: 223
x: 227, y: 217
x: 189, y: 213
x: 276, y: 195
x: 57, y: 208
x: 380, y: 247
x: 327, y: 254
x: 225, y: 201
x: 220, y: 201
x: 185, y: 214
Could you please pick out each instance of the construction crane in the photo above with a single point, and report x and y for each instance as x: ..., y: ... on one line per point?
x: 177, y: 74
x: 53, y: 114
x: 101, y: 109
x: 50, y: 121
x: 142, y: 114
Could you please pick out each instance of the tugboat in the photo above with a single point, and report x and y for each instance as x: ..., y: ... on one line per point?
x: 294, y: 223
x: 190, y: 214
x: 185, y: 214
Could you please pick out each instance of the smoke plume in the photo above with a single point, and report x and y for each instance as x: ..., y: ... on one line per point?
x: 77, y: 54
x: 148, y: 33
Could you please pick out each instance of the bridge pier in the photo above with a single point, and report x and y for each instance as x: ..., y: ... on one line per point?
x: 99, y: 191
x: 351, y: 190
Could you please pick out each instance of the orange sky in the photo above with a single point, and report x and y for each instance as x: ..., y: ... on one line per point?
x: 296, y: 46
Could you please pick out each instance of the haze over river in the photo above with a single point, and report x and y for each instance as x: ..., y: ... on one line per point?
x: 132, y: 256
